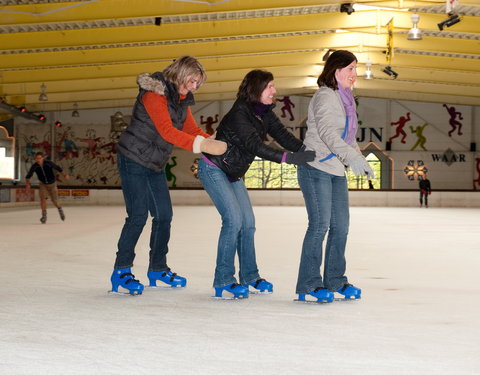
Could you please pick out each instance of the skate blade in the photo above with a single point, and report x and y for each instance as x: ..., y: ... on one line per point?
x: 257, y: 292
x: 311, y: 302
x: 112, y: 293
x: 163, y: 287
x: 346, y: 299
x: 228, y: 298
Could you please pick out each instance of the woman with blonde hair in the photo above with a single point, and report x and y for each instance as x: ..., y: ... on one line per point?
x: 161, y: 119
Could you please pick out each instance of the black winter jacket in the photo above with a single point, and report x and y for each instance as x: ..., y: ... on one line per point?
x: 425, y: 185
x: 44, y: 173
x: 245, y: 132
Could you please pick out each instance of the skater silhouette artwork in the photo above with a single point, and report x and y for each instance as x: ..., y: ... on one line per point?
x: 418, y: 131
x: 208, y: 124
x: 168, y: 171
x: 477, y: 181
x: 453, y: 122
x: 400, y: 125
x: 287, y: 107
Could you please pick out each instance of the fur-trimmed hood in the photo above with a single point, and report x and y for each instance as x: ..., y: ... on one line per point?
x: 151, y: 82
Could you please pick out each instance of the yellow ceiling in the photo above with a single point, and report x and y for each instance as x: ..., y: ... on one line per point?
x: 89, y: 52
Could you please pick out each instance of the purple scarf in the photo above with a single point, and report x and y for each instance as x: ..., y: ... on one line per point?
x: 351, y: 109
x: 260, y: 109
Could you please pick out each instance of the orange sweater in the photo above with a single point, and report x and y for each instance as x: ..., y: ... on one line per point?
x: 157, y: 108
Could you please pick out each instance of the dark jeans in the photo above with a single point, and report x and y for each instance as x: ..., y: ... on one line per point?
x: 144, y: 191
x: 422, y: 195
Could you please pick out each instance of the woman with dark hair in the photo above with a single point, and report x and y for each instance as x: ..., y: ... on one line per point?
x: 331, y: 130
x: 244, y: 129
x: 161, y: 119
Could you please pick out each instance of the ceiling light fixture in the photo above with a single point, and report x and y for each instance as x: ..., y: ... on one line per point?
x: 388, y: 71
x: 415, y: 33
x: 20, y: 111
x: 452, y: 20
x: 368, y: 73
x: 75, y: 112
x: 43, y: 96
x: 347, y: 8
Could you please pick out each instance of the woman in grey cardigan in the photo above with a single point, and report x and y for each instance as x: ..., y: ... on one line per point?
x: 331, y: 130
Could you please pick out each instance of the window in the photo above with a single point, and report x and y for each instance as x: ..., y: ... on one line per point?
x: 361, y: 182
x: 264, y: 174
x: 7, y: 153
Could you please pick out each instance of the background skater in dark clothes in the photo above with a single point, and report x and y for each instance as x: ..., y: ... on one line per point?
x: 425, y: 190
x: 47, y: 183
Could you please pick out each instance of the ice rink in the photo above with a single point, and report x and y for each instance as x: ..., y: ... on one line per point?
x: 420, y: 311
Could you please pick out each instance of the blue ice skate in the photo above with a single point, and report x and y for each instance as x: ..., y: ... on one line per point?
x: 168, y: 277
x: 237, y: 290
x: 262, y: 286
x: 350, y: 292
x: 322, y: 295
x: 124, y: 278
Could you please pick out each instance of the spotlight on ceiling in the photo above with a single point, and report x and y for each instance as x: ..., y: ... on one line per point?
x: 327, y: 54
x: 58, y: 124
x: 368, y: 73
x: 388, y: 70
x: 347, y: 8
x: 75, y: 112
x: 452, y: 20
x: 415, y: 33
x: 43, y: 96
x: 20, y: 111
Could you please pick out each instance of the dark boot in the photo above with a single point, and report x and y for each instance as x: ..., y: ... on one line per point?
x: 43, y: 219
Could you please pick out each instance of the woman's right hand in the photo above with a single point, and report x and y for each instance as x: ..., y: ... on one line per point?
x: 361, y: 167
x: 213, y: 147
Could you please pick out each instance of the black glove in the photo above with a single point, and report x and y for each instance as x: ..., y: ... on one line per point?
x: 300, y: 157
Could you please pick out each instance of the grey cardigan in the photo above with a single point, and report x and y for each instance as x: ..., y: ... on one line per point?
x: 325, y: 125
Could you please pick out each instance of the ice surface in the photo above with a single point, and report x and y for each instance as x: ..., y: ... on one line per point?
x: 419, y: 312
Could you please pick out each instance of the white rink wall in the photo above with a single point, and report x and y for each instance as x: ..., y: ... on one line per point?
x: 360, y: 198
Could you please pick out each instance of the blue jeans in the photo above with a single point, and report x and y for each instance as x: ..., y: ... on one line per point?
x: 326, y: 200
x: 144, y: 191
x: 238, y: 226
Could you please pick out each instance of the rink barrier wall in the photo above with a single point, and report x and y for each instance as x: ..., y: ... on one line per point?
x: 198, y: 197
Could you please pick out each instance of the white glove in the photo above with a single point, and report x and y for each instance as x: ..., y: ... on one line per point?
x: 209, y: 146
x: 213, y: 147
x: 360, y: 167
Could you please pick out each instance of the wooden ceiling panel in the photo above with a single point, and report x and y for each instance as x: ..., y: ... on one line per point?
x: 89, y: 52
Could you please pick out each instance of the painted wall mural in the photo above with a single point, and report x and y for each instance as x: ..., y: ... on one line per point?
x: 476, y: 182
x: 418, y: 131
x: 415, y: 170
x: 208, y: 122
x: 287, y: 107
x: 87, y: 154
x: 440, y: 135
x: 400, y: 124
x: 456, y: 125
